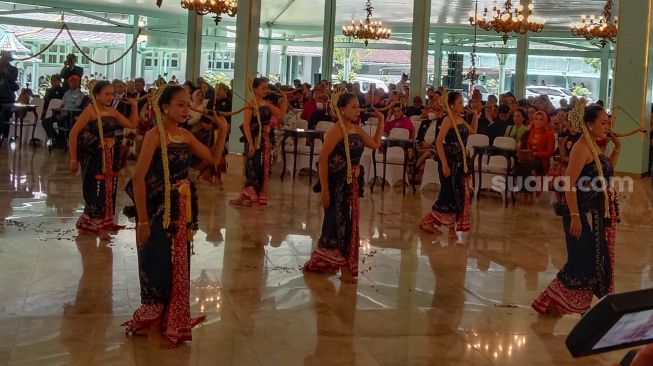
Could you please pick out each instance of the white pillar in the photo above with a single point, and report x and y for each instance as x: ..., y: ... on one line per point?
x: 246, y: 61
x: 420, y: 46
x: 328, y: 38
x: 194, y: 45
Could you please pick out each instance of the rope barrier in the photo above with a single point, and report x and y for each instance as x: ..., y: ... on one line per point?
x: 65, y: 26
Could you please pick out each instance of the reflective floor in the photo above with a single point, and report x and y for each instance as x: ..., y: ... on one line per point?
x: 420, y: 300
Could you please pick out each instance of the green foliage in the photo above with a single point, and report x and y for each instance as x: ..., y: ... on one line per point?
x: 353, y: 56
x: 579, y: 91
x: 213, y: 77
x: 594, y: 63
x: 492, y: 86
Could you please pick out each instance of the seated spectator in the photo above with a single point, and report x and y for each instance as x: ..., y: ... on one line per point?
x: 417, y: 108
x: 319, y: 93
x: 399, y: 120
x: 73, y: 101
x: 541, y: 143
x: 54, y: 92
x: 517, y: 130
x: 498, y: 127
x: 323, y: 112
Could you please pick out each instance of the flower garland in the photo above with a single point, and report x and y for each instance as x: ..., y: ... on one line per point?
x: 164, y: 155
x: 345, y: 134
x: 257, y: 143
x: 577, y: 118
x: 444, y: 102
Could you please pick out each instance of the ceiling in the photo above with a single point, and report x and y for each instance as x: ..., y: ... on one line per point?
x: 311, y: 12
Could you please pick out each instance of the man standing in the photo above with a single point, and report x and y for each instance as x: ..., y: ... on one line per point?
x: 69, y: 69
x: 8, y: 88
x: 403, y: 83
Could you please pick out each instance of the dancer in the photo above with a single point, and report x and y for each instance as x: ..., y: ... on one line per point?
x: 165, y: 205
x: 589, y: 216
x: 453, y: 206
x: 337, y: 248
x: 258, y: 136
x: 207, y: 134
x: 94, y: 134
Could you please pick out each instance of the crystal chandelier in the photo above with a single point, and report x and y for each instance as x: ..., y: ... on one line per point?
x: 605, y: 27
x: 366, y: 29
x: 204, y: 7
x: 508, y: 19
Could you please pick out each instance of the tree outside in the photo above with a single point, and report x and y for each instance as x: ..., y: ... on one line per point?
x: 348, y: 59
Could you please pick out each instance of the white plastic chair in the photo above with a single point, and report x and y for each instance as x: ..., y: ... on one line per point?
x: 497, y: 166
x: 394, y: 159
x: 36, y: 126
x: 54, y: 104
x: 430, y: 175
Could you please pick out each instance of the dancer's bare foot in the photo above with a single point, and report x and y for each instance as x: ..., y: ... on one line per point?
x: 142, y: 332
x: 453, y: 235
x: 158, y: 339
x: 346, y: 277
x: 104, y: 235
x: 429, y: 228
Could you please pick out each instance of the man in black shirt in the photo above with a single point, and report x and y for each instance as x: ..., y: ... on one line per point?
x: 69, y: 69
x: 54, y: 92
x: 417, y: 108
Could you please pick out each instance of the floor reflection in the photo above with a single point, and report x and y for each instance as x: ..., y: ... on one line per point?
x: 420, y: 300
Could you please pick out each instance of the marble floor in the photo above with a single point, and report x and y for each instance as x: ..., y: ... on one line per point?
x: 421, y: 300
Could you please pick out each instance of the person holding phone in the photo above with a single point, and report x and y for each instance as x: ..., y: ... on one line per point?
x: 69, y: 69
x: 453, y: 206
x: 590, y: 215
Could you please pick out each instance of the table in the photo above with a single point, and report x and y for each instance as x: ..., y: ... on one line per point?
x: 477, y: 157
x: 19, y: 119
x: 296, y: 134
x: 388, y: 142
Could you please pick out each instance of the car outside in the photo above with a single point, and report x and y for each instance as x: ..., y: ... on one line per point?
x: 555, y: 94
x: 365, y: 83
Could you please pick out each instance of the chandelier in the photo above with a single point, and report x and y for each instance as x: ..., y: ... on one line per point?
x: 508, y: 19
x: 604, y: 27
x: 204, y: 7
x: 366, y: 29
x: 472, y: 75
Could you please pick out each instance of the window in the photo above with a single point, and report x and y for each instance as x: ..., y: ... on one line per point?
x: 173, y: 61
x: 150, y: 60
x: 56, y: 54
x: 221, y: 61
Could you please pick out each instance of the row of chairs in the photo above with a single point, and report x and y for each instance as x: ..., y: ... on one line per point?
x: 490, y: 166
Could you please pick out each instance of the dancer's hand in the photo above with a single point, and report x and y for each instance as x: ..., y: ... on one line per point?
x: 250, y: 151
x: 575, y: 229
x: 326, y: 198
x: 446, y: 170
x: 74, y: 166
x: 142, y: 233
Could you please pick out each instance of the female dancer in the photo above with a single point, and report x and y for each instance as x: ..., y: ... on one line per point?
x: 337, y: 248
x: 258, y: 144
x: 452, y: 208
x: 94, y: 134
x: 589, y: 218
x: 164, y: 201
x: 208, y: 135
